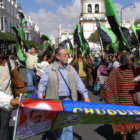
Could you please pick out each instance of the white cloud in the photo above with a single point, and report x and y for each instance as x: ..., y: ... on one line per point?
x: 49, y: 21
x: 129, y: 12
x: 48, y: 2
x: 68, y: 16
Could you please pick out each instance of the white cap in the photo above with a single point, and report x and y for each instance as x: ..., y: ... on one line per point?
x: 96, y: 55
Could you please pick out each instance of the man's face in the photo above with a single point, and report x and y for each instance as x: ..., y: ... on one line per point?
x: 37, y: 116
x: 96, y: 59
x: 33, y: 50
x: 63, y: 56
x: 114, y: 59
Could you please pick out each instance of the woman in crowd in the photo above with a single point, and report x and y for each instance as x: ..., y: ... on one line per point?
x: 119, y: 88
x: 41, y: 64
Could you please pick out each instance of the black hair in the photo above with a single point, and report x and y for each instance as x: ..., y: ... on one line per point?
x: 57, y: 51
x: 33, y: 47
x: 125, y: 56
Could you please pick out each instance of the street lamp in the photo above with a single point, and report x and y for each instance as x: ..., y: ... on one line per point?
x: 124, y: 8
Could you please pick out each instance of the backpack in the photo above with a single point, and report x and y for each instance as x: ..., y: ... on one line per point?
x: 103, y: 69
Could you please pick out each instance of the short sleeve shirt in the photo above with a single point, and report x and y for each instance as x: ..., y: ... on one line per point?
x: 31, y: 60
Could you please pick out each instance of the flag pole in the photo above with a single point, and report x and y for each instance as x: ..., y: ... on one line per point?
x: 134, y: 31
x: 102, y: 51
x: 16, y: 120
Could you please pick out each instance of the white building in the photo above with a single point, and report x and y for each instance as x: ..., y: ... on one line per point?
x: 8, y: 15
x: 31, y: 30
x: 64, y: 34
x: 92, y: 9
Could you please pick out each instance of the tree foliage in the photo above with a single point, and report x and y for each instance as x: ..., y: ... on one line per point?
x: 137, y: 22
x: 94, y: 37
x: 7, y: 39
x: 32, y: 43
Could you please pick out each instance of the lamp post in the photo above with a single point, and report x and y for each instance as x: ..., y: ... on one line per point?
x: 124, y: 8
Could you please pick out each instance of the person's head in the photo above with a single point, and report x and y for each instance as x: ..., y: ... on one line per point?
x: 12, y: 54
x: 103, y: 60
x: 126, y: 59
x: 42, y: 56
x: 111, y: 58
x: 87, y: 56
x: 79, y: 55
x: 96, y: 57
x: 33, y: 50
x: 115, y: 58
x: 37, y: 116
x: 61, y: 56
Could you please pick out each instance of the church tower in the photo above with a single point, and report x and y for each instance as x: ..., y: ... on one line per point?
x: 90, y: 10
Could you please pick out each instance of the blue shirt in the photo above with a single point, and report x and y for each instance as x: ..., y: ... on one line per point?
x: 63, y: 89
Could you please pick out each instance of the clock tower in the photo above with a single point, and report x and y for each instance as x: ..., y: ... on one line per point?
x: 91, y: 9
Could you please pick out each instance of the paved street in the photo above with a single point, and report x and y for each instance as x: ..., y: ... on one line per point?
x: 84, y: 132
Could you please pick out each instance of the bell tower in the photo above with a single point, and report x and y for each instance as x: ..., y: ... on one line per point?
x: 91, y: 9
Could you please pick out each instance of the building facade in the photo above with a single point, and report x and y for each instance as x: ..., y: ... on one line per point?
x: 8, y: 15
x: 31, y: 30
x: 92, y: 9
x: 64, y: 34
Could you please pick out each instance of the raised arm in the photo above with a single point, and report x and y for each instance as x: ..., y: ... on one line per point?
x: 22, y: 48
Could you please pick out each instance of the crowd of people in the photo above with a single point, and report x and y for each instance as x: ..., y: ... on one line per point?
x: 114, y: 75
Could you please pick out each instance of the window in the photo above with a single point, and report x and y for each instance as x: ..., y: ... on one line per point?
x: 26, y: 25
x: 28, y: 36
x: 96, y: 8
x: 2, y: 23
x: 89, y: 8
x: 1, y: 4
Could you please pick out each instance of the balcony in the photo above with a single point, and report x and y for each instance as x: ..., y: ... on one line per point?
x: 91, y: 16
x: 2, y: 5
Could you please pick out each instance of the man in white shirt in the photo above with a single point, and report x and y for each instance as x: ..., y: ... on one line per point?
x: 31, y: 59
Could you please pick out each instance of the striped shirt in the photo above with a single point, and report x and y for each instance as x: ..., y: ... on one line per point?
x: 119, y: 87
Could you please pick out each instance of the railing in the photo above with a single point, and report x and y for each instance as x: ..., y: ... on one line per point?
x: 2, y: 5
x: 91, y: 16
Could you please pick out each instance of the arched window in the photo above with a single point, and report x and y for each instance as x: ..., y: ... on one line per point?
x: 89, y: 8
x: 96, y: 8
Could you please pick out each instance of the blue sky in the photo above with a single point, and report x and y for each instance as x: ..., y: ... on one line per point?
x: 48, y: 14
x: 33, y: 5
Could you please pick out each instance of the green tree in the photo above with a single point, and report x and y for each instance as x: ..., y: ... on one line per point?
x: 94, y: 37
x: 32, y: 43
x: 137, y: 22
x: 7, y: 39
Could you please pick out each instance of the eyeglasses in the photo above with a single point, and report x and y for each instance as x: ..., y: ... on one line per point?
x: 64, y: 55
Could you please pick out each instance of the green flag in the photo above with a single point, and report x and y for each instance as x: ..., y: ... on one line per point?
x: 45, y: 38
x: 85, y: 45
x: 114, y: 22
x: 106, y: 35
x: 80, y: 40
x: 22, y: 18
x: 46, y: 46
x: 136, y: 30
x: 76, y: 36
x: 20, y: 37
x: 19, y: 33
x: 69, y: 50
